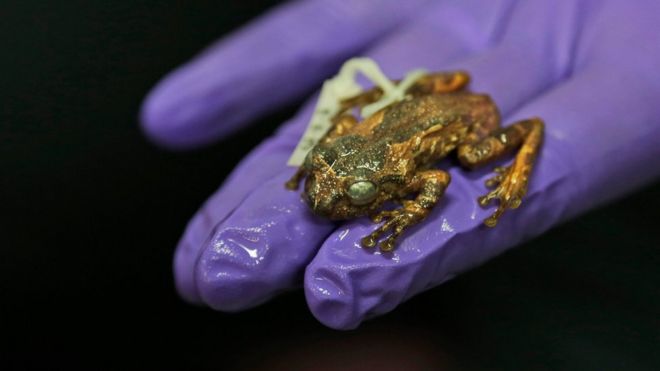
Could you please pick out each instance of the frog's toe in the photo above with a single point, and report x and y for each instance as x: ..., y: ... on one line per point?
x: 389, y: 243
x: 500, y: 174
x: 369, y: 241
x: 372, y: 238
x: 397, y: 222
x: 507, y: 200
x: 509, y: 191
x: 379, y: 217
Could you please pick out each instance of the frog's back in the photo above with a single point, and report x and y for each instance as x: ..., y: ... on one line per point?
x: 404, y: 119
x: 357, y: 153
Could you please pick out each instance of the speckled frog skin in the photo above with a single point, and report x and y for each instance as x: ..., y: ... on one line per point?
x: 390, y: 156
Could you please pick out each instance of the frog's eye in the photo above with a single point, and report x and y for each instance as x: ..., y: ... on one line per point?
x: 362, y: 192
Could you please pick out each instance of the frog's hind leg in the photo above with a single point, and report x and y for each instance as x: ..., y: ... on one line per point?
x: 432, y: 83
x: 340, y: 125
x: 440, y: 83
x: 510, y: 183
x: 362, y: 99
x: 430, y: 185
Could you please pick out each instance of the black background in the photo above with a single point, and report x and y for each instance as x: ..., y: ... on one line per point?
x: 91, y: 213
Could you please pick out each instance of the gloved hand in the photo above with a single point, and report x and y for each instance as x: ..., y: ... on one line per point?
x: 588, y: 68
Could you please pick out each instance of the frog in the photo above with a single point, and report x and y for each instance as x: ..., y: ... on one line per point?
x: 390, y: 157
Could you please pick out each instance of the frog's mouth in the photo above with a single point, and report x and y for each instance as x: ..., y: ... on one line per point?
x: 339, y: 199
x: 325, y: 203
x: 326, y: 198
x: 341, y: 210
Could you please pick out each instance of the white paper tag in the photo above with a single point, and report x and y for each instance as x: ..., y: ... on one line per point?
x: 344, y: 86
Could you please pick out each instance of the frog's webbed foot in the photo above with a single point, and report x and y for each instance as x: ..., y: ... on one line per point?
x: 431, y: 185
x: 397, y: 221
x: 510, y: 186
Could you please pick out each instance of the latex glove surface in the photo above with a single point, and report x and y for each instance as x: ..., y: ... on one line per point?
x: 588, y: 68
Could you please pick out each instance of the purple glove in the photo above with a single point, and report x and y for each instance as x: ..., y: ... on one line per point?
x: 588, y: 68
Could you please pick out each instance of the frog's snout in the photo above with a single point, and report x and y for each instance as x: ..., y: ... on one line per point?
x: 323, y: 207
x: 320, y: 197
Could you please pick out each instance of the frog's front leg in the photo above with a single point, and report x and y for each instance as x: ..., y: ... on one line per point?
x: 510, y: 182
x: 430, y: 186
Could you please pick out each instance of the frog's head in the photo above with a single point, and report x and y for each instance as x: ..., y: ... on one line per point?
x: 336, y: 194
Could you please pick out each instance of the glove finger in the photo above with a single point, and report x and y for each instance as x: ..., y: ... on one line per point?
x: 260, y: 165
x: 265, y: 248
x: 578, y: 170
x: 271, y: 61
x: 344, y: 284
